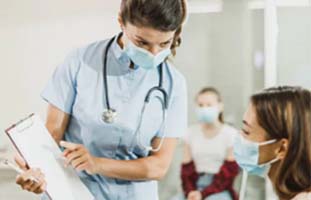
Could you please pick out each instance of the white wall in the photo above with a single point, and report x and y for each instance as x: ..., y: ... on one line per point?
x: 35, y: 36
x: 294, y: 46
x: 218, y: 51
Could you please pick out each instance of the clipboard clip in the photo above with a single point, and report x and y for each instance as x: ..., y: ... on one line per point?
x: 21, y: 126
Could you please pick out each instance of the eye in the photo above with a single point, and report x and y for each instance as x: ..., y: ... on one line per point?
x: 165, y: 44
x: 245, y: 132
x: 142, y: 43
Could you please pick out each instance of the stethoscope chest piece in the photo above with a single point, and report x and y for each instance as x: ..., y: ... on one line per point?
x: 109, y: 116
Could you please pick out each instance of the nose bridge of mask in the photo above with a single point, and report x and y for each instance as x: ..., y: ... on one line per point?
x: 141, y: 50
x: 144, y: 58
x: 207, y: 114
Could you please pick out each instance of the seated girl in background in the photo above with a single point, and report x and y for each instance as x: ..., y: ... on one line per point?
x: 208, y: 168
x: 276, y: 140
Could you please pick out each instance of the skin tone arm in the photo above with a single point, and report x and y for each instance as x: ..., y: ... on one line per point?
x: 153, y: 167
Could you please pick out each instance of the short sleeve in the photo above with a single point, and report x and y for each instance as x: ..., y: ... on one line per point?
x: 60, y: 90
x: 177, y: 119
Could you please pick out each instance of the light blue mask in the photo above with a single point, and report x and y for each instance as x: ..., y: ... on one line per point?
x: 246, y: 154
x: 144, y: 58
x: 207, y: 114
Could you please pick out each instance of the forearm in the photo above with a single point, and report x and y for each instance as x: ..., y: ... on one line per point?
x: 149, y: 168
x: 189, y: 177
x: 223, y: 179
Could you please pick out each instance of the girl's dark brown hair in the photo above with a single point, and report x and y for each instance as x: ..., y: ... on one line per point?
x: 285, y: 112
x: 219, y: 98
x: 163, y: 15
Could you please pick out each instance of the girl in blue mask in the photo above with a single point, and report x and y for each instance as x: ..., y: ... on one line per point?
x: 276, y: 140
x: 116, y: 156
x: 208, y: 169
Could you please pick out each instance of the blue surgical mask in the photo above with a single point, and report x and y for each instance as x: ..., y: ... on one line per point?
x: 207, y: 114
x: 246, y: 154
x: 144, y: 58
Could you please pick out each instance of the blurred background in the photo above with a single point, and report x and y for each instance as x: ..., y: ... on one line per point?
x: 237, y: 46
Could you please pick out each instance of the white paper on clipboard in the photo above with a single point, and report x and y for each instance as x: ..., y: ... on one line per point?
x: 38, y: 148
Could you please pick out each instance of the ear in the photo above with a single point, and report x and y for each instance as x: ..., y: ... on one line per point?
x: 221, y: 107
x: 282, y: 149
x: 121, y: 22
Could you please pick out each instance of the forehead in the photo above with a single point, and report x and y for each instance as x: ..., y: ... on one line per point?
x: 250, y: 116
x: 207, y: 96
x: 149, y: 34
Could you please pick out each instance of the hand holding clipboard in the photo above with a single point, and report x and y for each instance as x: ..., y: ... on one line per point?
x: 39, y: 150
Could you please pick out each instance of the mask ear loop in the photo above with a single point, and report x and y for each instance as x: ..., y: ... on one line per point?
x: 273, y: 160
x: 243, y: 185
x: 268, y: 142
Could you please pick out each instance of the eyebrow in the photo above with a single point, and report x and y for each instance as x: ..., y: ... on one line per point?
x: 142, y: 39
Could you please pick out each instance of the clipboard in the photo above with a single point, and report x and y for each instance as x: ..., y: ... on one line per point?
x: 36, y: 146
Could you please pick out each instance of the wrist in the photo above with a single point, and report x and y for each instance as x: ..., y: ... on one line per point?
x: 97, y: 165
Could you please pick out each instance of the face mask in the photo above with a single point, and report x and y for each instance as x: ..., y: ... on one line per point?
x: 144, y: 58
x: 246, y: 154
x: 207, y: 114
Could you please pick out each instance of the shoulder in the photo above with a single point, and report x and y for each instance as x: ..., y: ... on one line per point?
x: 176, y: 76
x: 192, y: 131
x: 230, y: 130
x: 85, y: 52
x: 87, y: 56
x: 303, y: 196
x: 91, y: 51
x: 229, y: 133
x: 177, y: 84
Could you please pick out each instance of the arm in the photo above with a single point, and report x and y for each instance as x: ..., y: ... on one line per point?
x: 224, y: 178
x: 189, y: 176
x: 56, y: 122
x: 153, y: 167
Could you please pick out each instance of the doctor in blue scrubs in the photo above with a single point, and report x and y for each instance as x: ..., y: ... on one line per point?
x: 118, y: 106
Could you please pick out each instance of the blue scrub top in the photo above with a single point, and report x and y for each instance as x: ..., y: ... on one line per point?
x: 77, y: 88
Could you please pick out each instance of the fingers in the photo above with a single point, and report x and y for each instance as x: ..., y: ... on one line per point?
x: 82, y: 166
x: 25, y: 181
x: 41, y: 189
x: 69, y: 145
x: 79, y: 161
x: 66, y: 152
x: 20, y: 162
x: 75, y: 155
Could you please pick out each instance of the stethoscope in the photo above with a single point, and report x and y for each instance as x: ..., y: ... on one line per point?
x: 110, y: 114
